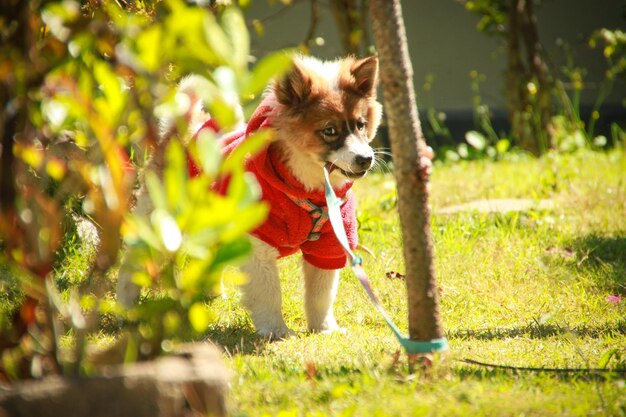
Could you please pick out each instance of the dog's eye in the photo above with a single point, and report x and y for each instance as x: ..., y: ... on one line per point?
x: 360, y: 125
x: 330, y: 132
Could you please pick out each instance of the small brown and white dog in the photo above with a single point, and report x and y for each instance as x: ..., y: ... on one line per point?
x: 321, y: 112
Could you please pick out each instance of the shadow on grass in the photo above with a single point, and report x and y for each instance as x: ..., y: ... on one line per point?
x: 539, y: 331
x: 240, y: 340
x: 604, y: 254
x: 485, y: 373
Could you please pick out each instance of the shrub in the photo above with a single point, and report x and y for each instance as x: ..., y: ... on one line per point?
x: 83, y: 88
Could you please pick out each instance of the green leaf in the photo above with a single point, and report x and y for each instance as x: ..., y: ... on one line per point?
x: 142, y: 279
x: 111, y: 105
x: 155, y: 190
x: 252, y: 191
x: 236, y: 30
x: 226, y: 79
x: 109, y: 306
x: 230, y: 253
x: 209, y: 153
x: 175, y: 176
x: 85, y: 86
x: 74, y: 109
x: 209, y: 215
x: 223, y: 113
x: 250, y: 146
x: 463, y: 150
x: 171, y: 322
x: 451, y: 155
x: 273, y: 65
x: 476, y: 139
x: 194, y: 271
x: 123, y: 19
x: 143, y: 233
x: 217, y: 39
x: 132, y: 349
x: 502, y: 146
x: 617, y: 133
x: 168, y: 230
x: 600, y: 141
x: 248, y: 219
x: 244, y: 188
x: 195, y: 246
x: 151, y: 307
x: 149, y: 48
x: 187, y: 41
x: 200, y: 316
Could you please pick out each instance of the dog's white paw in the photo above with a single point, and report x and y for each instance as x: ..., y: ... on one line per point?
x: 328, y: 328
x: 334, y: 330
x: 276, y: 333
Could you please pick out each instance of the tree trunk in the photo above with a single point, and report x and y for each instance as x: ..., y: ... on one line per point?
x: 349, y: 20
x: 407, y: 143
x: 540, y: 74
x: 516, y: 74
x: 529, y: 110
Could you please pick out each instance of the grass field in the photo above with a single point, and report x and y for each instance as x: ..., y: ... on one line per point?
x: 542, y: 288
x: 533, y: 289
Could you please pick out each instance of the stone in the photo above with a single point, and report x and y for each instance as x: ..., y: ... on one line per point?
x: 193, y: 381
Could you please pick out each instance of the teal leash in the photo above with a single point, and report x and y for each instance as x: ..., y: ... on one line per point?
x: 334, y: 215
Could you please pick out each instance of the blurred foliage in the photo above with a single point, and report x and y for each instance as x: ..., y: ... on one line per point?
x: 544, y: 116
x: 82, y: 91
x: 543, y: 109
x: 614, y: 50
x: 485, y: 141
x: 530, y: 85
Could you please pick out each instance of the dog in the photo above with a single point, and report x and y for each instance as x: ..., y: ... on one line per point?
x: 321, y: 112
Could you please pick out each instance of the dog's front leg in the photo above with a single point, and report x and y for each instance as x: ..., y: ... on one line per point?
x: 262, y: 295
x: 320, y: 288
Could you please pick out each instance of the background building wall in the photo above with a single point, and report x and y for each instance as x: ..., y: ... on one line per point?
x: 444, y: 42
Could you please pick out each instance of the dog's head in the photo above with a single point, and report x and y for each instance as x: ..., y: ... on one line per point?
x: 329, y: 113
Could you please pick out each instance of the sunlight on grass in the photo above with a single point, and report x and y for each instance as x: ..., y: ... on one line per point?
x: 521, y: 288
x: 525, y: 288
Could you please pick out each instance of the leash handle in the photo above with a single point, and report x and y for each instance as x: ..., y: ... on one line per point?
x: 334, y: 215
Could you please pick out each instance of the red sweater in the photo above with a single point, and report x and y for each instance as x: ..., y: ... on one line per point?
x: 289, y: 226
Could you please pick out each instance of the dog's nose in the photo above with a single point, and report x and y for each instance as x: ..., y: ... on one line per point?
x: 363, y: 161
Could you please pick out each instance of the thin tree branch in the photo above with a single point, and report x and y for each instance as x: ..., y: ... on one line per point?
x: 547, y: 370
x: 315, y: 17
x: 274, y: 14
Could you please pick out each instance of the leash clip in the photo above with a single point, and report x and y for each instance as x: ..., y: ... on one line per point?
x: 357, y: 260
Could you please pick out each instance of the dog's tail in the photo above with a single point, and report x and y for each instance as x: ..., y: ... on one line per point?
x: 189, y: 103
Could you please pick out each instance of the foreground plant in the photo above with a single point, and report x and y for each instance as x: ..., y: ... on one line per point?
x: 81, y: 96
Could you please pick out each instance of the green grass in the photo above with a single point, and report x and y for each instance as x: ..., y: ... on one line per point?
x: 524, y: 289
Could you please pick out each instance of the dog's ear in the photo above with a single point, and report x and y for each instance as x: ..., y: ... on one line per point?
x: 294, y: 88
x: 365, y: 73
